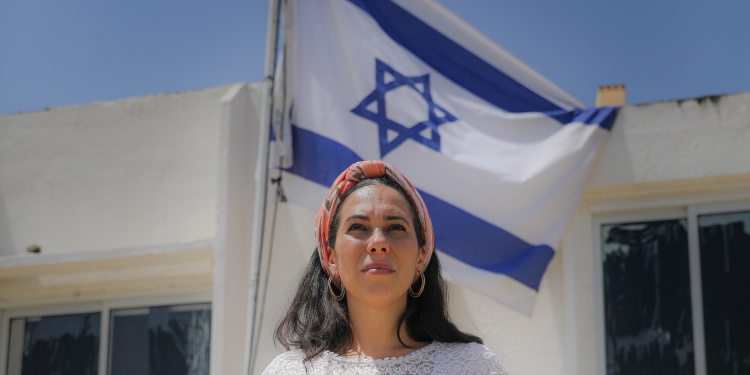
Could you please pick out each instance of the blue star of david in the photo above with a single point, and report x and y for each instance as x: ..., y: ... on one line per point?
x: 436, y: 115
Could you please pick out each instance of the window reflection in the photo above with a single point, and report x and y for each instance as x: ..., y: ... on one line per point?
x: 647, y: 298
x: 725, y: 260
x: 167, y: 340
x: 63, y: 345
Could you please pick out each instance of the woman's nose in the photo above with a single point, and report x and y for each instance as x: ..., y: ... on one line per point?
x: 378, y: 243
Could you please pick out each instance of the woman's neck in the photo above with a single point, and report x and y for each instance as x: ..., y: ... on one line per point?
x: 374, y: 332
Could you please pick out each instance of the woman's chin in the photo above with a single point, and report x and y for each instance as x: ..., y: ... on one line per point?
x: 380, y: 295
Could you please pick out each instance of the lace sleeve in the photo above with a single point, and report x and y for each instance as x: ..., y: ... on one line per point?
x: 289, y: 363
x: 478, y: 359
x: 494, y: 364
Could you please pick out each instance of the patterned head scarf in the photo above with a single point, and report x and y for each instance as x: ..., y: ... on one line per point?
x: 357, y: 172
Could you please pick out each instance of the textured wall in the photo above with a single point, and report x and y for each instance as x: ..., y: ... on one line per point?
x: 125, y: 173
x: 672, y: 140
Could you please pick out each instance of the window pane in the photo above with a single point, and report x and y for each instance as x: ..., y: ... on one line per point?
x: 647, y: 309
x: 725, y: 272
x: 167, y: 340
x: 60, y: 345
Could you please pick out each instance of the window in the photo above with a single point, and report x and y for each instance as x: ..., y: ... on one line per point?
x: 161, y: 340
x: 647, y: 298
x: 676, y: 297
x: 155, y: 340
x: 724, y: 242
x: 62, y: 344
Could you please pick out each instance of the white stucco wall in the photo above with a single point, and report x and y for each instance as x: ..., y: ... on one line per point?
x: 124, y: 173
x: 692, y: 138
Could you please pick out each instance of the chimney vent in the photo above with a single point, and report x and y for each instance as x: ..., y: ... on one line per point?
x: 610, y: 96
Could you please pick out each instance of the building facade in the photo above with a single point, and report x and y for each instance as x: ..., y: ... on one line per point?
x: 126, y: 245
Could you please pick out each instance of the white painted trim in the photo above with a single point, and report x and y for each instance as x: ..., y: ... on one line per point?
x: 79, y: 308
x: 4, y: 337
x: 234, y: 207
x: 661, y: 203
x: 259, y: 218
x: 635, y: 217
x: 696, y: 295
x: 580, y: 226
x: 104, y: 340
x: 723, y: 208
x: 220, y: 253
x: 600, y: 335
x: 159, y: 301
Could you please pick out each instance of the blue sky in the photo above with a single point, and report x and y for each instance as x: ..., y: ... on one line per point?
x: 55, y: 53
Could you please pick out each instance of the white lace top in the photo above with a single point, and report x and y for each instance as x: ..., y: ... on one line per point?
x: 436, y: 358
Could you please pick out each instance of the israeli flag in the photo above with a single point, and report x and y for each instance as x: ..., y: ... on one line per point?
x: 499, y: 153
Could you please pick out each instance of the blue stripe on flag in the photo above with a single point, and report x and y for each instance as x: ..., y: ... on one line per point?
x: 318, y: 158
x: 458, y: 233
x: 454, y: 61
x: 483, y: 245
x: 604, y: 116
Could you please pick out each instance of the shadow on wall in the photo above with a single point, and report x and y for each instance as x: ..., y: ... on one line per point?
x: 615, y: 164
x: 7, y: 246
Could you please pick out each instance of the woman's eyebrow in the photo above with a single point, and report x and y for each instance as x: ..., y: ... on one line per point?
x: 396, y: 217
x: 358, y: 217
x: 367, y: 218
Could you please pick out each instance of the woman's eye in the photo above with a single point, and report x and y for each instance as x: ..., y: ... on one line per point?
x: 397, y: 227
x: 356, y: 227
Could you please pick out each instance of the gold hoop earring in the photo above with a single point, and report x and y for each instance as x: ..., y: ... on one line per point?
x: 330, y: 288
x: 421, y: 289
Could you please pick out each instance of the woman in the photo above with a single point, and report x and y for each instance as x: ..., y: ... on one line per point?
x: 372, y: 299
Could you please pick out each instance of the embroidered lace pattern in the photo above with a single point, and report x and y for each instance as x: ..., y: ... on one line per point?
x: 436, y: 358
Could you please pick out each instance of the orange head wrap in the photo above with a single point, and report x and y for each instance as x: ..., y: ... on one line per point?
x: 351, y: 176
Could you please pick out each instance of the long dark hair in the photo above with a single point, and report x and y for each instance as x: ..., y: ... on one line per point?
x: 315, y: 321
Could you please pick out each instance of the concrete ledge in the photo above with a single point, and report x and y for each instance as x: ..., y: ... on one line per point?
x: 106, y: 274
x: 11, y: 265
x: 726, y: 185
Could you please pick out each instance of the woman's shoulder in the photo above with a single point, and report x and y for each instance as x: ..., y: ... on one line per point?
x: 290, y: 362
x: 435, y: 358
x: 473, y: 357
x: 468, y: 348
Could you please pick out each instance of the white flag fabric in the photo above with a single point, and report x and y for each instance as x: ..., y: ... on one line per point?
x: 499, y: 153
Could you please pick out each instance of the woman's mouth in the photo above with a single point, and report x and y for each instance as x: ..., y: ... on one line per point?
x: 378, y: 269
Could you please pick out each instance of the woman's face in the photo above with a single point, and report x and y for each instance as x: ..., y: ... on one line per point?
x: 376, y: 253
